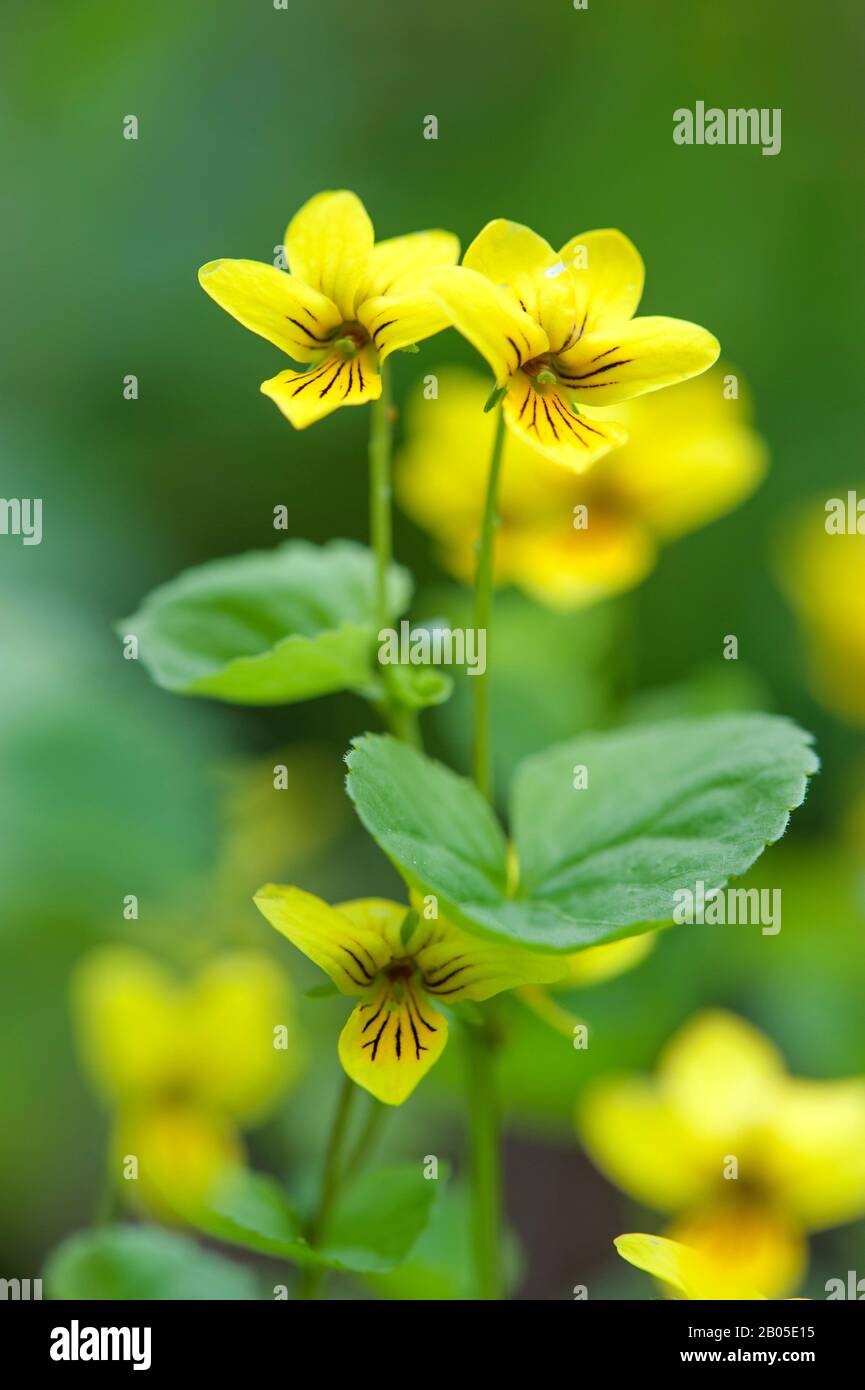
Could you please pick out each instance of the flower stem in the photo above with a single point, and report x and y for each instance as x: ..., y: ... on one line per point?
x: 380, y: 525
x: 312, y: 1277
x: 481, y: 767
x: 402, y: 722
x: 485, y: 1159
x: 366, y: 1139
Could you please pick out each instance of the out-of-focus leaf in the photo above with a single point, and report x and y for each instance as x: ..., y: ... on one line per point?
x: 440, y: 1265
x: 143, y: 1262
x: 267, y: 628
x: 374, y: 1225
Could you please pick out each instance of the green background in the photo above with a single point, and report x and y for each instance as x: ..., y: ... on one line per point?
x: 555, y: 117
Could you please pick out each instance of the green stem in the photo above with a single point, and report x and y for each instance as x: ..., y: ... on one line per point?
x: 485, y: 1160
x: 402, y: 722
x: 366, y: 1140
x: 380, y: 526
x: 481, y: 767
x: 311, y: 1278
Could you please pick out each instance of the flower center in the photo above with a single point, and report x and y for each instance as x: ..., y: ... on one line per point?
x: 401, y: 969
x: 541, y: 372
x: 350, y: 339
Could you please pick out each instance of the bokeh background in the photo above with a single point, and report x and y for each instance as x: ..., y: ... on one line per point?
x: 547, y: 115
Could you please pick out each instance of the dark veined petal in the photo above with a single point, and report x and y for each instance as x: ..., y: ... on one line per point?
x: 391, y: 1040
x: 304, y: 397
x: 542, y: 417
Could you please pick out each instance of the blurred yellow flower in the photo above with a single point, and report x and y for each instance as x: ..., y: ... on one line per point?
x: 183, y: 1065
x: 346, y: 304
x: 745, y: 1156
x: 823, y: 572
x: 400, y: 965
x: 684, y: 1272
x: 558, y: 330
x: 568, y: 541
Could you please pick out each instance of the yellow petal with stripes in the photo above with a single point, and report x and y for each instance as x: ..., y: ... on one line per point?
x: 276, y: 306
x: 304, y: 397
x: 391, y: 1040
x: 351, y: 954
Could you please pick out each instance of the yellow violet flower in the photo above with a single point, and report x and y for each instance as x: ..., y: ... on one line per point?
x: 745, y: 1156
x: 402, y: 970
x: 344, y: 306
x: 686, y: 1273
x: 568, y: 541
x: 558, y: 330
x: 182, y: 1066
x: 823, y: 572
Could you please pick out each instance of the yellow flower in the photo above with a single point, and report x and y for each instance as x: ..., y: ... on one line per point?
x: 684, y: 1272
x: 402, y: 967
x: 747, y: 1157
x: 345, y: 306
x: 183, y: 1066
x: 568, y: 541
x: 823, y: 573
x: 558, y: 330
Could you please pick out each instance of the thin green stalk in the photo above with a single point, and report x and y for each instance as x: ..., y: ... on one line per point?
x: 366, y: 1140
x: 402, y: 722
x: 380, y: 525
x: 311, y: 1278
x: 485, y: 1160
x: 481, y: 763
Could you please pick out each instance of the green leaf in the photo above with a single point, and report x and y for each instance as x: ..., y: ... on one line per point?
x: 142, y: 1262
x: 665, y: 805
x: 435, y: 826
x: 440, y: 1265
x: 374, y: 1225
x: 270, y: 627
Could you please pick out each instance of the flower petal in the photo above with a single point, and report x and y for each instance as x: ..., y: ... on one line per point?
x: 459, y: 966
x: 815, y: 1151
x: 681, y: 1269
x: 274, y: 305
x: 328, y: 244
x: 745, y: 1245
x: 543, y: 418
x: 350, y: 954
x: 389, y: 1044
x: 397, y: 323
x: 398, y: 266
x: 601, y: 963
x: 514, y: 257
x: 722, y: 1077
x: 130, y: 1017
x: 639, y: 1142
x: 632, y: 358
x: 304, y: 397
x: 183, y: 1151
x: 568, y: 569
x: 607, y: 272
x: 490, y: 318
x: 690, y: 457
x: 236, y: 1003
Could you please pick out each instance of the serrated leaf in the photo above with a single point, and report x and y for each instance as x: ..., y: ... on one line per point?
x: 142, y: 1262
x: 269, y: 627
x: 665, y: 805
